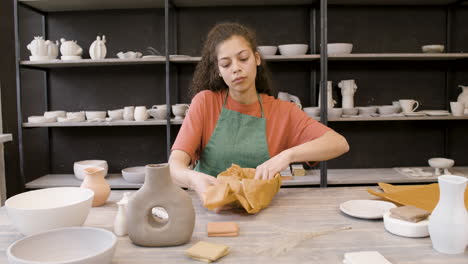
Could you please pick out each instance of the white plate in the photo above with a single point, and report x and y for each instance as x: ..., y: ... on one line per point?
x: 366, y: 209
x: 179, y: 56
x: 152, y: 57
x: 437, y: 112
x: 415, y: 114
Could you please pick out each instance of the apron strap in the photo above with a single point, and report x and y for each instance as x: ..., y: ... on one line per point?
x: 259, y: 100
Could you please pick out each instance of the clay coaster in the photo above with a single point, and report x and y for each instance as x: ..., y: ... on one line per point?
x: 207, y: 252
x: 222, y: 229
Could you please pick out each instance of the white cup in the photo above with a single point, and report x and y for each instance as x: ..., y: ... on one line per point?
x: 408, y: 105
x: 128, y: 114
x: 141, y: 113
x: 457, y: 108
x: 116, y: 114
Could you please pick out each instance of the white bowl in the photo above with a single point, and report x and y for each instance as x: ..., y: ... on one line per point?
x: 41, y: 119
x: 91, y: 115
x: 70, y: 245
x: 350, y: 111
x: 388, y: 109
x: 335, y: 112
x: 79, y: 166
x: 55, y: 114
x: 45, y: 209
x: 312, y: 111
x: 116, y: 114
x: 79, y: 115
x: 339, y: 48
x: 179, y: 110
x: 367, y: 110
x: 405, y: 228
x: 267, y: 50
x: 134, y: 174
x: 293, y: 49
x: 433, y: 48
x: 441, y: 163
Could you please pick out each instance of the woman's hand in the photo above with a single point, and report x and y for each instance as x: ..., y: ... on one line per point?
x: 269, y: 168
x: 200, y: 183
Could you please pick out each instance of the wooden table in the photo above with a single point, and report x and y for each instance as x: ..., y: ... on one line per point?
x: 292, y: 211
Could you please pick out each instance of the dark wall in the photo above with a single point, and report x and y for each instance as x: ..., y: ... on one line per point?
x: 14, y: 181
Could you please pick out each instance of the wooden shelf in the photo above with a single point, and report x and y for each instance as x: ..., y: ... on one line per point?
x: 399, y: 118
x: 150, y: 122
x: 398, y: 56
x: 391, y: 2
x: 5, y: 138
x: 335, y: 177
x: 89, y: 62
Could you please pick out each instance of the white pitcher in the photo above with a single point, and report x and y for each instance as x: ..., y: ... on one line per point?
x: 98, y: 48
x: 448, y: 223
x: 348, y: 88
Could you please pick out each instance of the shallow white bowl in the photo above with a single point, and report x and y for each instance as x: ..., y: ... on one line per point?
x: 267, y: 50
x: 55, y: 114
x: 441, y: 163
x: 405, y: 228
x: 312, y: 111
x: 45, y: 209
x: 70, y: 245
x: 367, y: 110
x: 339, y: 48
x: 388, y: 109
x: 41, y: 119
x: 91, y: 115
x: 366, y: 209
x: 293, y: 49
x: 350, y: 111
x: 335, y: 112
x: 79, y: 166
x: 134, y: 174
x: 433, y: 48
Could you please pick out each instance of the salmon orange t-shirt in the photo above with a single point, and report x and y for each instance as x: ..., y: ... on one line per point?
x: 286, y: 125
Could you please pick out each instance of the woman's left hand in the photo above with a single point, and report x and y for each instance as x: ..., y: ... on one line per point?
x: 269, y: 168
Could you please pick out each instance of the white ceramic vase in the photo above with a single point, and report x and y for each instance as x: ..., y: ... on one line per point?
x: 120, y: 222
x: 448, y: 223
x: 98, y: 49
x: 348, y: 88
x: 330, y: 102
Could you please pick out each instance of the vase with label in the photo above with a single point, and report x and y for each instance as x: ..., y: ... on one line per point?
x: 348, y: 88
x: 158, y: 191
x: 448, y: 223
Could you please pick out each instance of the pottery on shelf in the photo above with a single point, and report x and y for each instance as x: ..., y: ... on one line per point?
x: 348, y: 88
x: 330, y: 101
x: 141, y: 113
x: 129, y: 113
x: 79, y: 166
x: 463, y: 96
x: 448, y: 223
x: 94, y: 180
x: 120, y: 221
x: 433, y: 48
x: 116, y: 114
x: 70, y: 50
x: 441, y: 163
x: 129, y: 55
x: 290, y: 98
x: 180, y: 110
x: 42, y: 50
x: 98, y: 49
x: 144, y: 229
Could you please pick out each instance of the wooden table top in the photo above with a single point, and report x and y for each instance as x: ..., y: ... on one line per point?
x: 263, y: 235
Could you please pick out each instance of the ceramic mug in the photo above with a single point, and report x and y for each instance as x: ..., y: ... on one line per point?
x: 408, y: 105
x: 141, y: 113
x: 457, y: 108
x: 128, y: 114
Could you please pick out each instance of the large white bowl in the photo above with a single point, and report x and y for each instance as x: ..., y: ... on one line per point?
x: 134, y: 174
x: 79, y: 166
x: 70, y: 245
x: 433, y: 48
x: 339, y: 48
x: 293, y: 49
x: 335, y: 112
x: 267, y: 50
x: 45, y: 209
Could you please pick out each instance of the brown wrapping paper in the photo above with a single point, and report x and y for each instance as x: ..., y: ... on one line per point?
x: 237, y: 185
x: 422, y: 196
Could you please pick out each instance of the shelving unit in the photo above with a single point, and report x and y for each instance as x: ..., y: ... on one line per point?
x: 177, y: 70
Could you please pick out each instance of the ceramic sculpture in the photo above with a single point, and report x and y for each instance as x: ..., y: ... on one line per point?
x: 98, y: 49
x: 348, y: 88
x: 70, y: 50
x: 42, y: 49
x: 144, y: 229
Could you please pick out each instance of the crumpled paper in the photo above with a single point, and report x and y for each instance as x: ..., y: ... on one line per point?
x: 237, y: 185
x: 422, y: 196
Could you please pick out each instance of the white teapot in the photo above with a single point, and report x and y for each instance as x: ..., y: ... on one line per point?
x: 70, y: 50
x: 98, y: 48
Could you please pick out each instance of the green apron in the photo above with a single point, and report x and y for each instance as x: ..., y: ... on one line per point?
x: 237, y: 138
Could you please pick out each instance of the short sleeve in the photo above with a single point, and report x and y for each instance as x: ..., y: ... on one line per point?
x: 189, y: 138
x: 303, y: 127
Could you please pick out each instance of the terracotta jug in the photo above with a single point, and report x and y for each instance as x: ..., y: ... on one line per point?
x: 144, y: 228
x: 94, y: 180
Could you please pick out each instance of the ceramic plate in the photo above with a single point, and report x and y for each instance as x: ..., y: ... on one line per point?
x: 179, y: 56
x: 415, y: 114
x: 152, y: 57
x: 437, y: 112
x: 366, y: 209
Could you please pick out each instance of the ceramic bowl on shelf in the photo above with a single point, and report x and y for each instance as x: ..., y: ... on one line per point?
x: 69, y: 245
x: 180, y: 110
x: 134, y: 174
x: 388, y: 109
x: 267, y: 50
x: 116, y: 114
x: 93, y: 115
x: 55, y: 114
x: 293, y: 49
x: 41, y: 119
x: 45, y: 209
x: 339, y: 48
x: 405, y: 228
x: 433, y: 48
x: 367, y: 110
x: 80, y: 115
x: 312, y: 111
x: 129, y: 55
x: 335, y: 112
x: 79, y: 166
x: 350, y: 111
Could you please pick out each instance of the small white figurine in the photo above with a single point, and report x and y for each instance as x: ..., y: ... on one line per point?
x: 98, y: 48
x: 70, y: 50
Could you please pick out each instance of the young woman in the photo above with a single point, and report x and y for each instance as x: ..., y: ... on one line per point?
x: 233, y: 117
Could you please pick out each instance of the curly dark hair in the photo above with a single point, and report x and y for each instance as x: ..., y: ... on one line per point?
x: 206, y: 75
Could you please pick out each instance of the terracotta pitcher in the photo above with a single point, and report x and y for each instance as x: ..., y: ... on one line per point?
x: 144, y: 228
x: 94, y: 180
